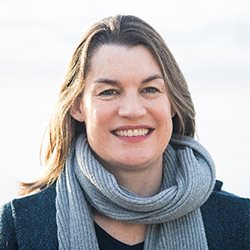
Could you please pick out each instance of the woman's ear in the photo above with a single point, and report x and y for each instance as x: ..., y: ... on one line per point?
x: 173, y: 113
x: 77, y: 109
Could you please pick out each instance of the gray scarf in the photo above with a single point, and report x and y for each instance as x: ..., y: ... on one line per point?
x: 173, y: 215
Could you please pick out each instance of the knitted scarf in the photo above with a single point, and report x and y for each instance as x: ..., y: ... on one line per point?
x: 173, y: 215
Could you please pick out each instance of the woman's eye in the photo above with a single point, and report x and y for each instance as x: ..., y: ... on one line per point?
x: 108, y: 92
x: 151, y: 90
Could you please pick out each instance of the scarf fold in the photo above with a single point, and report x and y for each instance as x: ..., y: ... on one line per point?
x: 173, y: 215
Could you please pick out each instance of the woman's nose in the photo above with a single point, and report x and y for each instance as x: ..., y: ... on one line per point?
x: 131, y: 107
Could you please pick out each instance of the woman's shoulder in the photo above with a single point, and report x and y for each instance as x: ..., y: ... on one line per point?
x: 44, y: 197
x: 225, y: 202
x: 41, y: 201
x: 30, y: 217
x: 226, y: 220
x: 8, y: 238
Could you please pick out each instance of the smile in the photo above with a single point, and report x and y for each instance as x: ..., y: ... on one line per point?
x: 132, y: 132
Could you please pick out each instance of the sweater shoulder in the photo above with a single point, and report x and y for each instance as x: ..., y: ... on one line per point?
x: 227, y: 202
x: 226, y: 220
x: 8, y: 238
x: 45, y: 197
x: 33, y: 217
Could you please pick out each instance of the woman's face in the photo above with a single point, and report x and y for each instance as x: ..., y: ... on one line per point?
x: 126, y: 109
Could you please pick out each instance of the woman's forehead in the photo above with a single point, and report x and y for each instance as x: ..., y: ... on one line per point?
x: 119, y: 59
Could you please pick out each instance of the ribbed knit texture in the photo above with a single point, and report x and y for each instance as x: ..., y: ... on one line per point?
x: 173, y: 215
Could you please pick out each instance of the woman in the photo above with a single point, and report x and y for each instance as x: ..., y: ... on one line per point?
x: 124, y: 171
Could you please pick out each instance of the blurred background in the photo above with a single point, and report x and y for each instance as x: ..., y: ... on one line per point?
x: 209, y: 39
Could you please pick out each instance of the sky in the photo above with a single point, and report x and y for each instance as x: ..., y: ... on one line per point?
x: 209, y: 39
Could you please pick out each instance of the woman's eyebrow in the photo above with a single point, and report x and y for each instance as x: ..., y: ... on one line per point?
x: 107, y: 81
x: 116, y: 82
x: 152, y: 77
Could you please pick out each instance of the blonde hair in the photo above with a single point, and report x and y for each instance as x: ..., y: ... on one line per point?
x: 121, y: 30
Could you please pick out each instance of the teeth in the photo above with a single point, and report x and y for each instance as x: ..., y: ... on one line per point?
x: 133, y: 132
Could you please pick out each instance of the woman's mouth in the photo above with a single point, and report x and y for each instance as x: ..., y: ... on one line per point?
x: 132, y: 132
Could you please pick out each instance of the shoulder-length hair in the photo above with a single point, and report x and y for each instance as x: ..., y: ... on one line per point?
x: 119, y: 30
